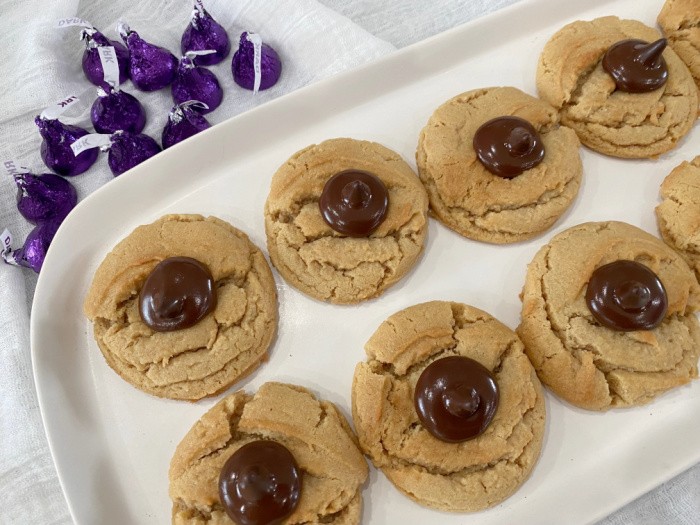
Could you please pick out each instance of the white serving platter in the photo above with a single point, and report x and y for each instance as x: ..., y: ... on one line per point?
x: 112, y: 443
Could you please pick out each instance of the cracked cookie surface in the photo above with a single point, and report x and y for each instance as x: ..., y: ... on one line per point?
x: 314, y: 431
x: 629, y: 125
x: 203, y: 359
x: 583, y: 362
x: 679, y: 213
x: 462, y: 477
x: 321, y: 262
x: 474, y: 202
x: 680, y: 22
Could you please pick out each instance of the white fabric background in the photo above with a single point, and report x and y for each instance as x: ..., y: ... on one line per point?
x: 41, y: 64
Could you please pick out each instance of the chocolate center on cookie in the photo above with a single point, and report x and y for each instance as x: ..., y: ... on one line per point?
x: 456, y: 398
x: 260, y: 484
x: 354, y: 202
x: 507, y: 146
x: 637, y: 66
x: 177, y: 294
x: 626, y: 296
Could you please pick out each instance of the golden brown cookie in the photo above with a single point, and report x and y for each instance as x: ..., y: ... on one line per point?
x: 321, y: 262
x: 584, y: 362
x: 203, y: 359
x: 679, y: 213
x: 315, y: 432
x: 680, y: 22
x: 474, y: 202
x: 630, y: 125
x: 463, y: 477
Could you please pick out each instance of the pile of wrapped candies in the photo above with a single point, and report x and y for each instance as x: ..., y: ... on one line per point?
x: 119, y: 118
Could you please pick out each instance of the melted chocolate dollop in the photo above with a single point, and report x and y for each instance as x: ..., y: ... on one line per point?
x: 626, y: 296
x: 260, y: 484
x: 507, y: 146
x: 354, y: 202
x: 637, y: 66
x: 177, y: 294
x: 456, y: 398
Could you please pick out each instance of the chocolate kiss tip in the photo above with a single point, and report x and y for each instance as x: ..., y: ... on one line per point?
x: 650, y: 54
x: 520, y: 142
x: 356, y: 193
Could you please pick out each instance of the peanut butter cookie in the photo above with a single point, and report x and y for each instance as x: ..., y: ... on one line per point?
x: 354, y: 265
x: 452, y: 472
x: 571, y: 77
x: 473, y: 201
x: 331, y: 469
x: 679, y: 213
x: 610, y: 341
x: 680, y: 22
x: 200, y: 359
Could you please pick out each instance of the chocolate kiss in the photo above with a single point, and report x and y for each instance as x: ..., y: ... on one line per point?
x: 520, y: 142
x: 462, y: 401
x: 650, y: 54
x: 356, y: 194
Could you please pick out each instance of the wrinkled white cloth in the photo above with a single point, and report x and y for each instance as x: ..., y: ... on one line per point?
x: 41, y: 64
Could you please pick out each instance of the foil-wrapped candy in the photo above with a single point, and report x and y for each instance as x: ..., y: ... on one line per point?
x: 151, y: 67
x: 44, y: 197
x: 33, y: 251
x: 92, y: 65
x: 203, y: 32
x: 130, y: 149
x: 114, y: 110
x: 56, y: 151
x: 184, y: 120
x: 255, y: 65
x: 193, y: 82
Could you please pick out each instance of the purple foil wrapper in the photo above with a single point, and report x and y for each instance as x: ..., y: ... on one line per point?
x: 183, y: 122
x: 151, y: 67
x: 33, y: 252
x: 203, y: 32
x: 55, y: 148
x: 92, y: 67
x: 117, y: 110
x: 44, y: 197
x: 196, y: 83
x: 128, y: 150
x: 243, y: 69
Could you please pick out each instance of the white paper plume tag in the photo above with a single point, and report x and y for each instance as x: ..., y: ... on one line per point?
x: 256, y: 40
x: 192, y: 54
x: 73, y: 22
x: 6, y: 247
x: 110, y: 66
x: 12, y: 167
x: 59, y: 108
x: 93, y: 140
